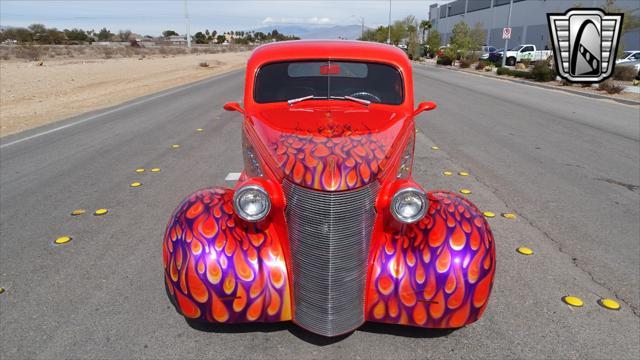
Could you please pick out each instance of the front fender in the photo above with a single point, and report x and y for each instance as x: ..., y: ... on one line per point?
x: 435, y: 273
x: 219, y: 268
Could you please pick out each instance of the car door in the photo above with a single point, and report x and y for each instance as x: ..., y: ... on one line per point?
x: 527, y: 52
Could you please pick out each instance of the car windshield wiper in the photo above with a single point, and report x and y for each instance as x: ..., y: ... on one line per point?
x: 351, y: 98
x: 308, y: 97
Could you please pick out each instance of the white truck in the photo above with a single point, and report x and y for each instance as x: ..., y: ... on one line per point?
x: 526, y: 52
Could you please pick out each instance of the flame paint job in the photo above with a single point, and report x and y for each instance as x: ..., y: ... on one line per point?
x: 219, y: 269
x: 330, y: 157
x: 436, y: 273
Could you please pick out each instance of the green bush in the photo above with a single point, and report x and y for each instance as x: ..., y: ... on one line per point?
x: 542, y: 72
x: 444, y: 60
x: 520, y: 74
x: 624, y: 73
x: 503, y: 71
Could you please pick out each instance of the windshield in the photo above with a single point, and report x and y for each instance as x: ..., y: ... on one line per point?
x: 285, y: 81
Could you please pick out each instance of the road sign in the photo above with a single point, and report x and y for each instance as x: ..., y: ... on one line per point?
x: 506, y: 33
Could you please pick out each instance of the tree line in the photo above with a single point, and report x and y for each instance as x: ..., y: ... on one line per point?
x: 41, y: 35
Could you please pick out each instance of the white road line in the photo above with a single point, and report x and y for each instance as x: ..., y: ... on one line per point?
x: 232, y: 177
x: 107, y: 112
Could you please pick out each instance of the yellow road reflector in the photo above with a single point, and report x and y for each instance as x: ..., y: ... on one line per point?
x: 435, y: 148
x: 1, y: 290
x: 78, y: 212
x: 100, y: 212
x: 447, y: 173
x: 175, y: 146
x: 510, y: 216
x: 465, y: 191
x: 135, y: 184
x: 488, y: 214
x: 524, y: 250
x: 155, y: 170
x: 139, y: 170
x: 573, y: 301
x: 609, y: 304
x: 463, y: 173
x: 62, y: 240
x: 199, y: 130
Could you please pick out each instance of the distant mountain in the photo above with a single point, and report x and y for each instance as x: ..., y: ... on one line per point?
x: 350, y: 32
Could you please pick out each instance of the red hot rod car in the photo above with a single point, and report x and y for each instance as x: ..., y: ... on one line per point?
x: 326, y: 226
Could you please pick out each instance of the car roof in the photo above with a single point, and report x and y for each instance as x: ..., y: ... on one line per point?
x: 328, y: 49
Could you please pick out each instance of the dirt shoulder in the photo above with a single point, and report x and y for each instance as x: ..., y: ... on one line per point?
x: 32, y: 95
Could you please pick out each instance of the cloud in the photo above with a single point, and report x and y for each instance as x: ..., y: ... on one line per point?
x: 311, y: 21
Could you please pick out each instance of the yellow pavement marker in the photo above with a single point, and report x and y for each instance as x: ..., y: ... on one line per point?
x: 175, y: 146
x: 100, y: 212
x: 199, y: 130
x: 140, y: 170
x: 135, y: 184
x: 463, y: 173
x: 488, y: 214
x: 62, y: 240
x: 510, y: 216
x: 609, y: 304
x: 465, y: 191
x: 573, y: 301
x: 435, y: 148
x: 78, y: 212
x: 155, y: 169
x: 524, y: 250
x: 447, y: 173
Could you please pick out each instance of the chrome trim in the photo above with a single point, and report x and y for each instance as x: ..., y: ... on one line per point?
x: 329, y: 236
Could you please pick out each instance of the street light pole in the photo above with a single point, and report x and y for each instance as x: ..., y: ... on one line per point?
x: 389, y: 33
x: 186, y: 18
x: 506, y: 41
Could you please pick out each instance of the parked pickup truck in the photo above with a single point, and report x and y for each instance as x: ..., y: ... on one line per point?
x: 524, y: 52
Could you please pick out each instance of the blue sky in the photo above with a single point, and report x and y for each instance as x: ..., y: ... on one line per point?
x: 152, y: 17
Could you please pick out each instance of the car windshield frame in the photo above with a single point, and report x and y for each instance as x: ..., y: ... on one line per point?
x: 399, y: 97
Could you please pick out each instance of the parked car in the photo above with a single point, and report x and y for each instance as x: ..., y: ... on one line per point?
x: 629, y: 56
x: 526, y: 51
x: 631, y: 63
x: 484, y: 52
x: 326, y: 226
x: 493, y: 56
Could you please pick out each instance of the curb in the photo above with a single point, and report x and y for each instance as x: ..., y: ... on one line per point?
x: 530, y: 83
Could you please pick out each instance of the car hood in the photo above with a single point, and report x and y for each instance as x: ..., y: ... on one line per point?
x: 330, y: 148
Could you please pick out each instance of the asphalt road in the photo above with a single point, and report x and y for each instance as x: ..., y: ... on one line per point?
x: 568, y: 166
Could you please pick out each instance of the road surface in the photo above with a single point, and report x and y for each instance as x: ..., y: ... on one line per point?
x: 567, y: 165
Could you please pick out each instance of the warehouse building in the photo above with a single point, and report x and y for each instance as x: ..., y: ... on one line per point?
x: 528, y: 19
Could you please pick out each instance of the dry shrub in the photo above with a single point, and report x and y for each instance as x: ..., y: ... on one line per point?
x: 204, y: 64
x: 624, y: 73
x: 610, y: 87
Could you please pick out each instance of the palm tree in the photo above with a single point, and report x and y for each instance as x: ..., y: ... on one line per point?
x: 424, y: 26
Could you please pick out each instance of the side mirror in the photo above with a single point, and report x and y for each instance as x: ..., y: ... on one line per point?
x: 233, y: 106
x: 425, y: 106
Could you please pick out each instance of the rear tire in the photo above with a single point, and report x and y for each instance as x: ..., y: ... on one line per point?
x: 511, y: 61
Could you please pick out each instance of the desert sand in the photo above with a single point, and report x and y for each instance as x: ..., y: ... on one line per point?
x: 32, y: 94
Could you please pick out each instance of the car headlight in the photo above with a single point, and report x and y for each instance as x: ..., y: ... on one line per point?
x: 409, y: 205
x: 251, y: 203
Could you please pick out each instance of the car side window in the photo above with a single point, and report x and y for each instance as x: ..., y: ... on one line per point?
x: 636, y: 56
x: 527, y: 49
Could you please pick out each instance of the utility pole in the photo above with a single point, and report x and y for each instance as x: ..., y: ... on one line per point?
x: 506, y: 41
x: 389, y: 34
x: 186, y: 18
x: 362, y: 31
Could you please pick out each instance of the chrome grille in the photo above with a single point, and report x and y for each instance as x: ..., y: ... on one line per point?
x: 329, y: 235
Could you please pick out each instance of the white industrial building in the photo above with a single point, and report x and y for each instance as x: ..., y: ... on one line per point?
x: 528, y: 19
